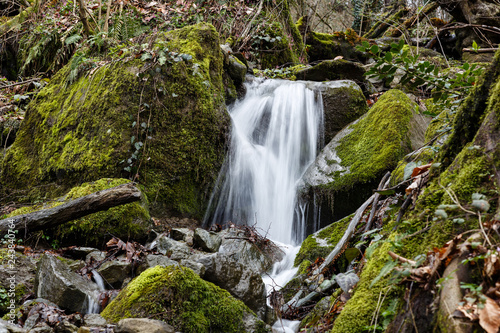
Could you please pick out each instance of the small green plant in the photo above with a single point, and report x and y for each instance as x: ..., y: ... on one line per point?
x: 445, y: 88
x: 474, y: 294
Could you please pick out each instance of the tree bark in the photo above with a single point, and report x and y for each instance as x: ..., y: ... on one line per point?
x: 83, y: 18
x: 74, y: 209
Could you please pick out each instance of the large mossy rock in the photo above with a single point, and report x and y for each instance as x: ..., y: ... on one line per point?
x: 182, y: 299
x: 163, y: 125
x: 350, y: 166
x: 130, y: 221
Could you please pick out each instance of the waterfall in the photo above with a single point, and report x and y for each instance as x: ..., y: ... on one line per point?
x: 275, y: 134
x: 92, y: 305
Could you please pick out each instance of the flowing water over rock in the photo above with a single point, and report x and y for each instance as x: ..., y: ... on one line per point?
x: 275, y: 136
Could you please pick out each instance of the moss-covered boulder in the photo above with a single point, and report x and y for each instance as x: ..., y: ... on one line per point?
x: 182, y: 299
x: 130, y: 221
x: 163, y: 125
x: 350, y: 166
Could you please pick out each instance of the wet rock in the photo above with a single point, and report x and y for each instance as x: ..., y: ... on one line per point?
x: 237, y: 278
x: 236, y: 69
x: 180, y: 234
x: 114, y: 272
x: 197, y: 267
x: 141, y: 325
x: 57, y: 283
x: 153, y: 260
x: 173, y: 249
x: 206, y: 240
x: 343, y: 103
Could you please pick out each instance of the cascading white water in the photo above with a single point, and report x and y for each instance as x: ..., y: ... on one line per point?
x: 275, y: 134
x: 92, y: 300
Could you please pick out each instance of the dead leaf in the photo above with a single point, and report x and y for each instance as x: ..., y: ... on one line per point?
x: 492, y: 265
x: 489, y: 316
x: 420, y: 169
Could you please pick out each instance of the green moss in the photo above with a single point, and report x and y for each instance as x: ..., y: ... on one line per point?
x: 359, y: 310
x: 89, y: 129
x: 181, y: 298
x: 469, y: 173
x: 311, y: 249
x: 130, y: 221
x: 376, y: 142
x: 278, y: 52
x: 471, y: 112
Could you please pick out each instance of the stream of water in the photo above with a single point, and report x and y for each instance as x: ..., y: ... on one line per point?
x: 275, y: 135
x: 276, y: 131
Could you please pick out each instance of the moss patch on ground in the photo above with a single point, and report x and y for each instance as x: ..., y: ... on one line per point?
x: 180, y: 298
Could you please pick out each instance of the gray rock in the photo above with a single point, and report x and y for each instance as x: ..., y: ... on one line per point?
x: 246, y: 253
x: 95, y: 320
x: 80, y: 252
x: 153, y: 260
x: 197, y: 267
x: 57, y: 283
x: 237, y: 278
x: 114, y: 272
x: 96, y: 256
x: 65, y: 327
x: 173, y: 249
x: 236, y: 70
x: 41, y: 329
x: 206, y: 240
x: 143, y: 325
x: 6, y: 327
x: 343, y: 103
x: 180, y: 234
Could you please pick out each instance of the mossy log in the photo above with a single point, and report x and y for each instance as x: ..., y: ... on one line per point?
x: 74, y: 209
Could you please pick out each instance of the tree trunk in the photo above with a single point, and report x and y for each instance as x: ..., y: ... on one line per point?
x: 83, y: 18
x: 74, y: 209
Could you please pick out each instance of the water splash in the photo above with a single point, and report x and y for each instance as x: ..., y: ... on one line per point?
x: 275, y: 135
x: 92, y: 303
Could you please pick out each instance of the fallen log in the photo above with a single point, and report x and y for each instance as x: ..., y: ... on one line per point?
x: 74, y: 209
